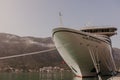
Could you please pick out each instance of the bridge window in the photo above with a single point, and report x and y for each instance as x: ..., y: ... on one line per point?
x: 102, y: 30
x: 111, y: 30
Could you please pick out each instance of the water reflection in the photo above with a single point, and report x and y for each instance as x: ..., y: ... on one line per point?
x: 117, y: 77
x: 77, y: 78
x: 56, y: 76
x: 48, y: 76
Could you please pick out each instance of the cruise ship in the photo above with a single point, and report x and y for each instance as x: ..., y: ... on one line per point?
x: 88, y: 51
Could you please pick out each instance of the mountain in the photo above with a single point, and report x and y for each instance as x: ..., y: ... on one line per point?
x: 11, y: 45
x: 116, y: 55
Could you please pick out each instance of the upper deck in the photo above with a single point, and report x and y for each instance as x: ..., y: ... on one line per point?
x: 109, y: 31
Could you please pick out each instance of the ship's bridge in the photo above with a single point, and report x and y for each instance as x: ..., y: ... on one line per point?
x: 109, y: 31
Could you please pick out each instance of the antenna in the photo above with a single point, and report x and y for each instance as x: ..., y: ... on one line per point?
x: 60, y: 16
x: 88, y: 24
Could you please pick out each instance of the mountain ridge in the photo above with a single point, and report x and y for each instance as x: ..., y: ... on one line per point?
x: 15, y: 45
x: 11, y: 44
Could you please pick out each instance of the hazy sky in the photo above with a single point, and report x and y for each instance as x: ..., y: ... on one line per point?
x: 39, y: 17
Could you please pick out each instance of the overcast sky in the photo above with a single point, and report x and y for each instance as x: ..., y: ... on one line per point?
x: 38, y: 17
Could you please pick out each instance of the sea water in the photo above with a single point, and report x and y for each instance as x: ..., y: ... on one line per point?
x: 66, y: 75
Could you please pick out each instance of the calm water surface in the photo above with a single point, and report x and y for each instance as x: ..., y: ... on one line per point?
x: 37, y: 76
x: 44, y: 76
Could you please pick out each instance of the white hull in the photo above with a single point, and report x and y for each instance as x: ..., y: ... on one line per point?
x: 82, y: 52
